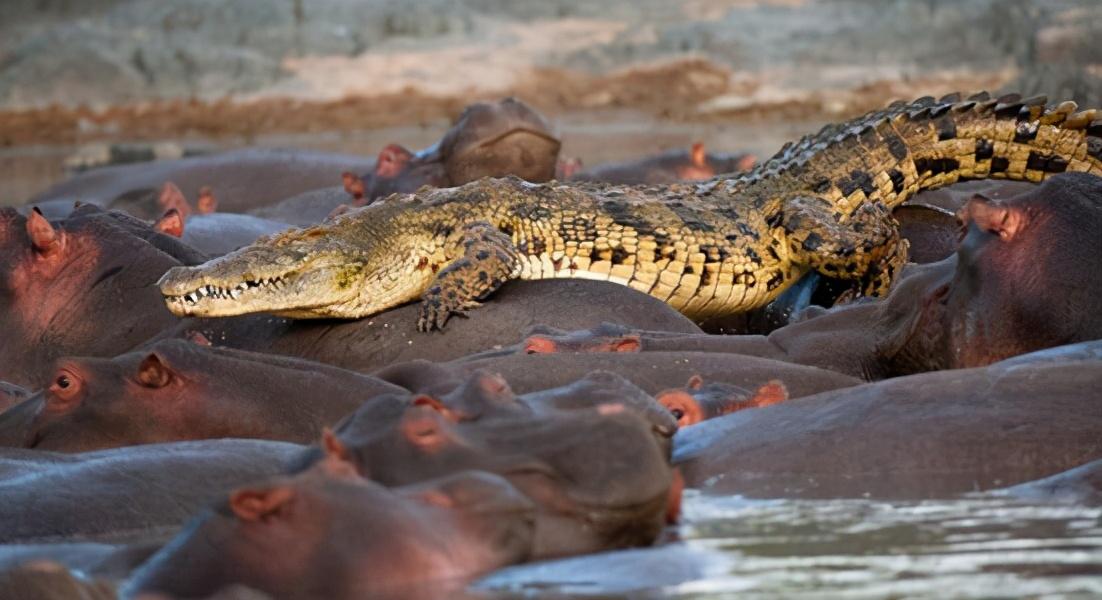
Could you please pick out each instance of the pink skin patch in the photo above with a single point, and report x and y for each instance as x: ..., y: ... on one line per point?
x: 206, y: 203
x: 392, y: 161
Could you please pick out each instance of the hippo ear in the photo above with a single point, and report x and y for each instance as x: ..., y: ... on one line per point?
x: 260, y: 504
x: 206, y: 203
x: 538, y: 344
x: 773, y: 392
x: 153, y: 372
x: 171, y: 223
x: 695, y: 382
x: 392, y: 159
x: 198, y: 338
x: 993, y: 216
x: 698, y: 155
x: 45, y: 239
x: 171, y: 197
x: 354, y: 185
x: 338, y: 460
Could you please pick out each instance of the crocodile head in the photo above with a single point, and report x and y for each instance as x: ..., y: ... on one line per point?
x: 330, y: 270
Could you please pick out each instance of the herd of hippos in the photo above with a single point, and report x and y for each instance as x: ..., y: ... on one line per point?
x: 156, y: 456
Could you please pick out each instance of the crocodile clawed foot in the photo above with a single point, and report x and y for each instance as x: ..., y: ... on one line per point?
x: 435, y: 314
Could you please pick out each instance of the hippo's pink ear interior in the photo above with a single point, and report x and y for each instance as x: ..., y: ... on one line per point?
x: 44, y: 237
x: 538, y: 344
x: 698, y: 155
x: 153, y: 372
x: 260, y: 504
x: 772, y: 392
x: 353, y: 184
x: 206, y: 203
x: 392, y: 159
x: 171, y: 197
x: 171, y: 223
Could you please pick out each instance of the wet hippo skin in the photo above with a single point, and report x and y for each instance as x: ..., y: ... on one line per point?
x: 179, y: 390
x: 141, y: 494
x: 328, y: 533
x: 923, y: 436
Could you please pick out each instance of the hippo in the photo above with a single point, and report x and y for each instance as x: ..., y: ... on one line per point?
x: 486, y: 395
x: 177, y: 390
x: 369, y: 344
x: 489, y: 139
x: 1081, y: 485
x: 243, y: 179
x: 694, y: 164
x: 216, y: 234
x: 329, y: 533
x: 307, y: 208
x: 930, y: 435
x: 124, y: 495
x: 111, y: 561
x: 697, y: 401
x: 654, y: 371
x: 81, y: 286
x: 573, y: 463
x: 494, y: 139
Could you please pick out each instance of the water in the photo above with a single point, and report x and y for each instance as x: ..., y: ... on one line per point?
x: 981, y: 547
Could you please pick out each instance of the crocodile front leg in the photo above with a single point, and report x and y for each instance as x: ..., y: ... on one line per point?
x: 866, y: 249
x: 489, y: 260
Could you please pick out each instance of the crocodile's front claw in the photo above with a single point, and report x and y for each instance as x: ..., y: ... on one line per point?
x: 489, y: 260
x: 435, y: 311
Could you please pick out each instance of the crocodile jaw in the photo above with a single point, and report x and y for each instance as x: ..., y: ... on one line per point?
x: 249, y: 282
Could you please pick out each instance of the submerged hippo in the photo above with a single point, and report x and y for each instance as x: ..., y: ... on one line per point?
x: 328, y: 533
x: 694, y: 164
x: 125, y: 494
x: 243, y: 179
x: 599, y: 476
x: 177, y: 390
x: 922, y: 436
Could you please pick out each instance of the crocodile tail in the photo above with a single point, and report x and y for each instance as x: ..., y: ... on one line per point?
x: 889, y: 155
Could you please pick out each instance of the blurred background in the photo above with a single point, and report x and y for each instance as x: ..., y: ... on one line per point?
x: 617, y: 78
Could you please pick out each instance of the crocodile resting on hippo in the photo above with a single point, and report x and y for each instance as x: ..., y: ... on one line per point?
x: 725, y: 246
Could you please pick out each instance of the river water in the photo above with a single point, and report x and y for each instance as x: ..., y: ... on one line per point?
x: 981, y: 547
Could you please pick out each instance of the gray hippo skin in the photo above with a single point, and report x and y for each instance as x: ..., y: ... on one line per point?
x: 83, y: 285
x: 178, y: 390
x: 243, y: 179
x: 328, y: 533
x: 657, y: 371
x: 922, y: 436
x: 389, y: 337
x: 140, y: 494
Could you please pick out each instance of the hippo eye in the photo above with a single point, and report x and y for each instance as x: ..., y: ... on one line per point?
x: 63, y: 382
x: 677, y: 413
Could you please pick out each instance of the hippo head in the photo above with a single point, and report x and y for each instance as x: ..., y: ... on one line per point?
x: 1028, y: 273
x: 79, y: 286
x: 179, y: 390
x: 328, y: 533
x: 399, y: 171
x: 571, y: 463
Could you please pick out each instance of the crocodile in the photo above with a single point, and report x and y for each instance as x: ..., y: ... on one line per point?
x: 723, y: 246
